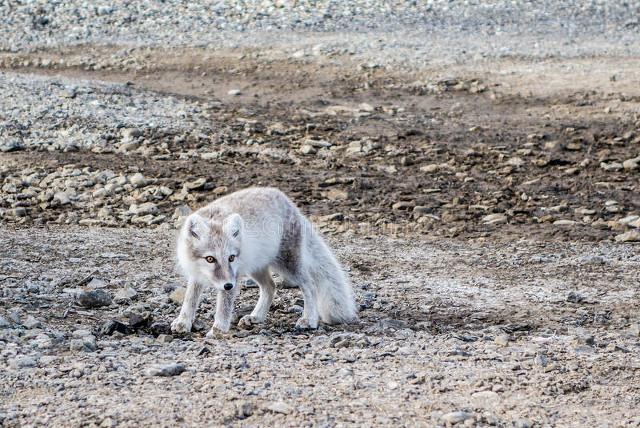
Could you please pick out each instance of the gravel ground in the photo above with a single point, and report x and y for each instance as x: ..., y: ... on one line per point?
x: 474, y: 164
x: 526, y: 334
x: 86, y: 112
x: 378, y: 152
x: 389, y: 31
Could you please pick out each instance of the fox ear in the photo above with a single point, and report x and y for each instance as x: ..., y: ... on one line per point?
x: 196, y: 226
x: 233, y: 225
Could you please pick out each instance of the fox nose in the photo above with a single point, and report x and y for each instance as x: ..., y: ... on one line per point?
x: 228, y: 286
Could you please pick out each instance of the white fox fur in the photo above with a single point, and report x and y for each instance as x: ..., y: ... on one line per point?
x: 253, y: 232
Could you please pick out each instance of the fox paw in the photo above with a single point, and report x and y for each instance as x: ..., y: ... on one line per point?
x: 223, y: 327
x: 214, y: 334
x: 248, y: 321
x: 305, y: 324
x: 180, y: 325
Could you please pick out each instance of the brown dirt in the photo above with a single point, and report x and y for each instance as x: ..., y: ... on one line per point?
x: 475, y: 121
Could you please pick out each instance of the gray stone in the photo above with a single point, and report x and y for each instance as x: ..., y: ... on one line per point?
x: 631, y: 164
x: 97, y: 283
x: 611, y: 166
x: 84, y: 343
x: 31, y: 322
x: 81, y: 333
x: 22, y: 362
x: 196, y: 184
x: 523, y: 423
x: 279, y: 407
x: 429, y: 169
x: 308, y: 149
x: 317, y: 143
x: 455, y: 417
x: 403, y: 206
x: 295, y: 309
x: 4, y: 323
x: 62, y: 198
x: 172, y: 369
x: 630, y: 236
x: 565, y: 222
x: 14, y: 316
x: 502, y: 340
x: 164, y: 338
x: 137, y: 180
x: 18, y: 212
x: 143, y: 209
x: 131, y: 133
x: 494, y: 219
x: 575, y: 297
x: 336, y: 195
x: 125, y: 294
x: 244, y: 409
x: 160, y: 327
x: 11, y: 145
x: 138, y: 316
x: 113, y: 326
x: 42, y: 341
x: 584, y: 338
x: 94, y: 298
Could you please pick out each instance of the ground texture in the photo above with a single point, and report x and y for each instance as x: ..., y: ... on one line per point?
x: 475, y: 165
x: 521, y: 333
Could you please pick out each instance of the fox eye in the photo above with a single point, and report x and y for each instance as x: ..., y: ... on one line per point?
x: 232, y: 257
x: 210, y: 259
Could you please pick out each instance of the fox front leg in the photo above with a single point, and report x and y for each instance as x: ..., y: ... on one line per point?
x: 224, y: 310
x: 182, y: 324
x: 267, y: 291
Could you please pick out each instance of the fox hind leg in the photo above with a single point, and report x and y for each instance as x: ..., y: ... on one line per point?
x: 304, y: 281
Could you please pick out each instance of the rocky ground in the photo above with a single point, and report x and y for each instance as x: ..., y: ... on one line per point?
x: 520, y: 334
x: 359, y: 148
x: 475, y: 164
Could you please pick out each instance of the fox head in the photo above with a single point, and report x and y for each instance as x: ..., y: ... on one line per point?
x: 209, y: 250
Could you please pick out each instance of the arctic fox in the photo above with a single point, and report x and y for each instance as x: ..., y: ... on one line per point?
x: 252, y: 232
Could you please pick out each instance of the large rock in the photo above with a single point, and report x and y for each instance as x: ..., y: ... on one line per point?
x: 94, y: 298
